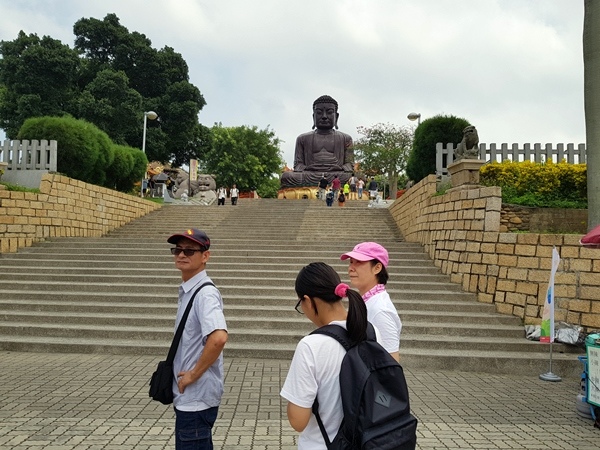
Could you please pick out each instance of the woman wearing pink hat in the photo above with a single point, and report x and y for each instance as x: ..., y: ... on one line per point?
x: 368, y: 274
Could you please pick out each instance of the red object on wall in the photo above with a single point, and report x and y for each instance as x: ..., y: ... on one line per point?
x: 592, y: 239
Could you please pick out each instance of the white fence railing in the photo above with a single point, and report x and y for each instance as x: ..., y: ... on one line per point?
x: 535, y: 153
x: 28, y: 160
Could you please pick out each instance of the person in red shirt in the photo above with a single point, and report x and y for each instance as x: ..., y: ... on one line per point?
x: 336, y: 184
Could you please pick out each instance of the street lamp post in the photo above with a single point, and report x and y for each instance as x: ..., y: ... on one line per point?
x: 152, y: 116
x: 415, y: 116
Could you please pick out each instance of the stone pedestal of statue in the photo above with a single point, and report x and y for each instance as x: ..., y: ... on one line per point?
x: 464, y: 174
x: 299, y: 193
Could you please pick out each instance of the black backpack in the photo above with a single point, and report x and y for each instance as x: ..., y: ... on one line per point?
x: 374, y: 397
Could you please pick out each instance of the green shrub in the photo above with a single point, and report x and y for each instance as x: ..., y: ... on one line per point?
x: 84, y: 151
x: 444, y: 129
x: 547, y: 185
x: 119, y: 173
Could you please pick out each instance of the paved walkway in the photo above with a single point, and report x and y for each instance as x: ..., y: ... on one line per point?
x: 69, y: 401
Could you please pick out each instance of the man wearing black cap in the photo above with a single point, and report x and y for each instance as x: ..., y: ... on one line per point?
x: 198, y: 364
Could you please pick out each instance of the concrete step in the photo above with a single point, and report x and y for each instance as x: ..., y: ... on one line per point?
x: 164, y: 317
x: 144, y: 293
x: 82, y: 274
x: 271, y: 306
x: 495, y: 362
x: 164, y: 284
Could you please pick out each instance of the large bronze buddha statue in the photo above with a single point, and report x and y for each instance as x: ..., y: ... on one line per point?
x: 325, y: 151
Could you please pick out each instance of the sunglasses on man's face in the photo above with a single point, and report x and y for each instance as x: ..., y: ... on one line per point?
x: 186, y: 251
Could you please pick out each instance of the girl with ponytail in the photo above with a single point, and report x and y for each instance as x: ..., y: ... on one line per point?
x: 314, y: 371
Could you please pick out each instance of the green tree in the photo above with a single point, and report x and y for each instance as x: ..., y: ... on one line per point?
x: 269, y: 187
x: 109, y: 103
x: 178, y: 109
x: 38, y: 78
x: 591, y: 60
x: 110, y: 78
x: 384, y: 149
x: 440, y: 128
x: 243, y: 155
x: 159, y: 76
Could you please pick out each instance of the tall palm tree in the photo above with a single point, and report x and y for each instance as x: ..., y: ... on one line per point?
x: 591, y: 61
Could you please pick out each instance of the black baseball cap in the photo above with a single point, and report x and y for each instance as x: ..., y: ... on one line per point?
x: 193, y: 234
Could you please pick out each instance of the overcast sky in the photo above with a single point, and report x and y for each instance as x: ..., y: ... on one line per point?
x: 513, y: 68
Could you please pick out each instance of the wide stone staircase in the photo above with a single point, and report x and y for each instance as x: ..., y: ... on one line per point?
x: 118, y: 293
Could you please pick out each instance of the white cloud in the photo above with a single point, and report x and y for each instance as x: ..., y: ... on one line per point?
x: 512, y: 67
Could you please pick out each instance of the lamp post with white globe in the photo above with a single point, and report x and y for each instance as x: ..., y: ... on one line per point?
x: 152, y: 116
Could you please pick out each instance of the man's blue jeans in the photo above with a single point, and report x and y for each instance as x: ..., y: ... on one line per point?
x: 193, y: 430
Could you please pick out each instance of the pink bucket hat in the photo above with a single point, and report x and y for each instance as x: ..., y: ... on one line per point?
x: 366, y: 251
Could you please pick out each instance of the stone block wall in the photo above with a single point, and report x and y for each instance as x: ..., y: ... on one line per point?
x: 460, y: 231
x: 64, y: 207
x: 553, y: 220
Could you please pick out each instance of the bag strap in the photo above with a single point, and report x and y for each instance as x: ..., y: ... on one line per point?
x: 315, y: 411
x: 340, y: 334
x: 179, y: 332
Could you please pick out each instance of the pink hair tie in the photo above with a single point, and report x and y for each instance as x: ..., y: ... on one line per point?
x: 341, y: 289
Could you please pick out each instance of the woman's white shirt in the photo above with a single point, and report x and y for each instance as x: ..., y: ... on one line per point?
x: 382, y: 313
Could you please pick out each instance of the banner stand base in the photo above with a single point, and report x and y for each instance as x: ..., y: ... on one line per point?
x: 549, y: 376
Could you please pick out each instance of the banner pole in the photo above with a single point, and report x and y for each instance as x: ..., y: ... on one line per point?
x: 549, y: 376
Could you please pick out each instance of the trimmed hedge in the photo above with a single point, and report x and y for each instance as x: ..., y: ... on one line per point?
x: 86, y: 153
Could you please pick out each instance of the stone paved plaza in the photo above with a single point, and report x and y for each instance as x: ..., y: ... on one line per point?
x: 72, y: 401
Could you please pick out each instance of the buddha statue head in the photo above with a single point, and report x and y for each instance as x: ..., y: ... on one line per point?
x: 325, y: 113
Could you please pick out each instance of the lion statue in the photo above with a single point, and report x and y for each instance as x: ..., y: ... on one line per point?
x: 469, y: 146
x: 203, y: 188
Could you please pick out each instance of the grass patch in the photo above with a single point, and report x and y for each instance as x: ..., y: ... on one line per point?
x: 442, y: 188
x: 158, y: 200
x: 18, y: 188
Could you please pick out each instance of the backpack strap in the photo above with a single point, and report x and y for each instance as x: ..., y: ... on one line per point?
x: 340, y: 334
x: 315, y: 411
x: 337, y: 332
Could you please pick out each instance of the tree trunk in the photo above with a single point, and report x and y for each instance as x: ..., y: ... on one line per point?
x: 591, y: 61
x: 393, y: 185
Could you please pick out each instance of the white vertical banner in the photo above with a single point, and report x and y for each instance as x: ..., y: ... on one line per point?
x: 193, y: 169
x: 547, y: 327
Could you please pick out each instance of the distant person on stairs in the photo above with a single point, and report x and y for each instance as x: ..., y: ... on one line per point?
x: 323, y: 187
x: 198, y: 364
x: 368, y: 274
x: 341, y: 199
x: 234, y: 193
x: 221, y: 195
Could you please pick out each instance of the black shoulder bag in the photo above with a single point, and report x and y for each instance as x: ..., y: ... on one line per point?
x: 161, y: 383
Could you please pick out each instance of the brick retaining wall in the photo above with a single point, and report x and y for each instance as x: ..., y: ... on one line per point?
x: 64, y: 207
x: 544, y: 220
x: 460, y: 231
